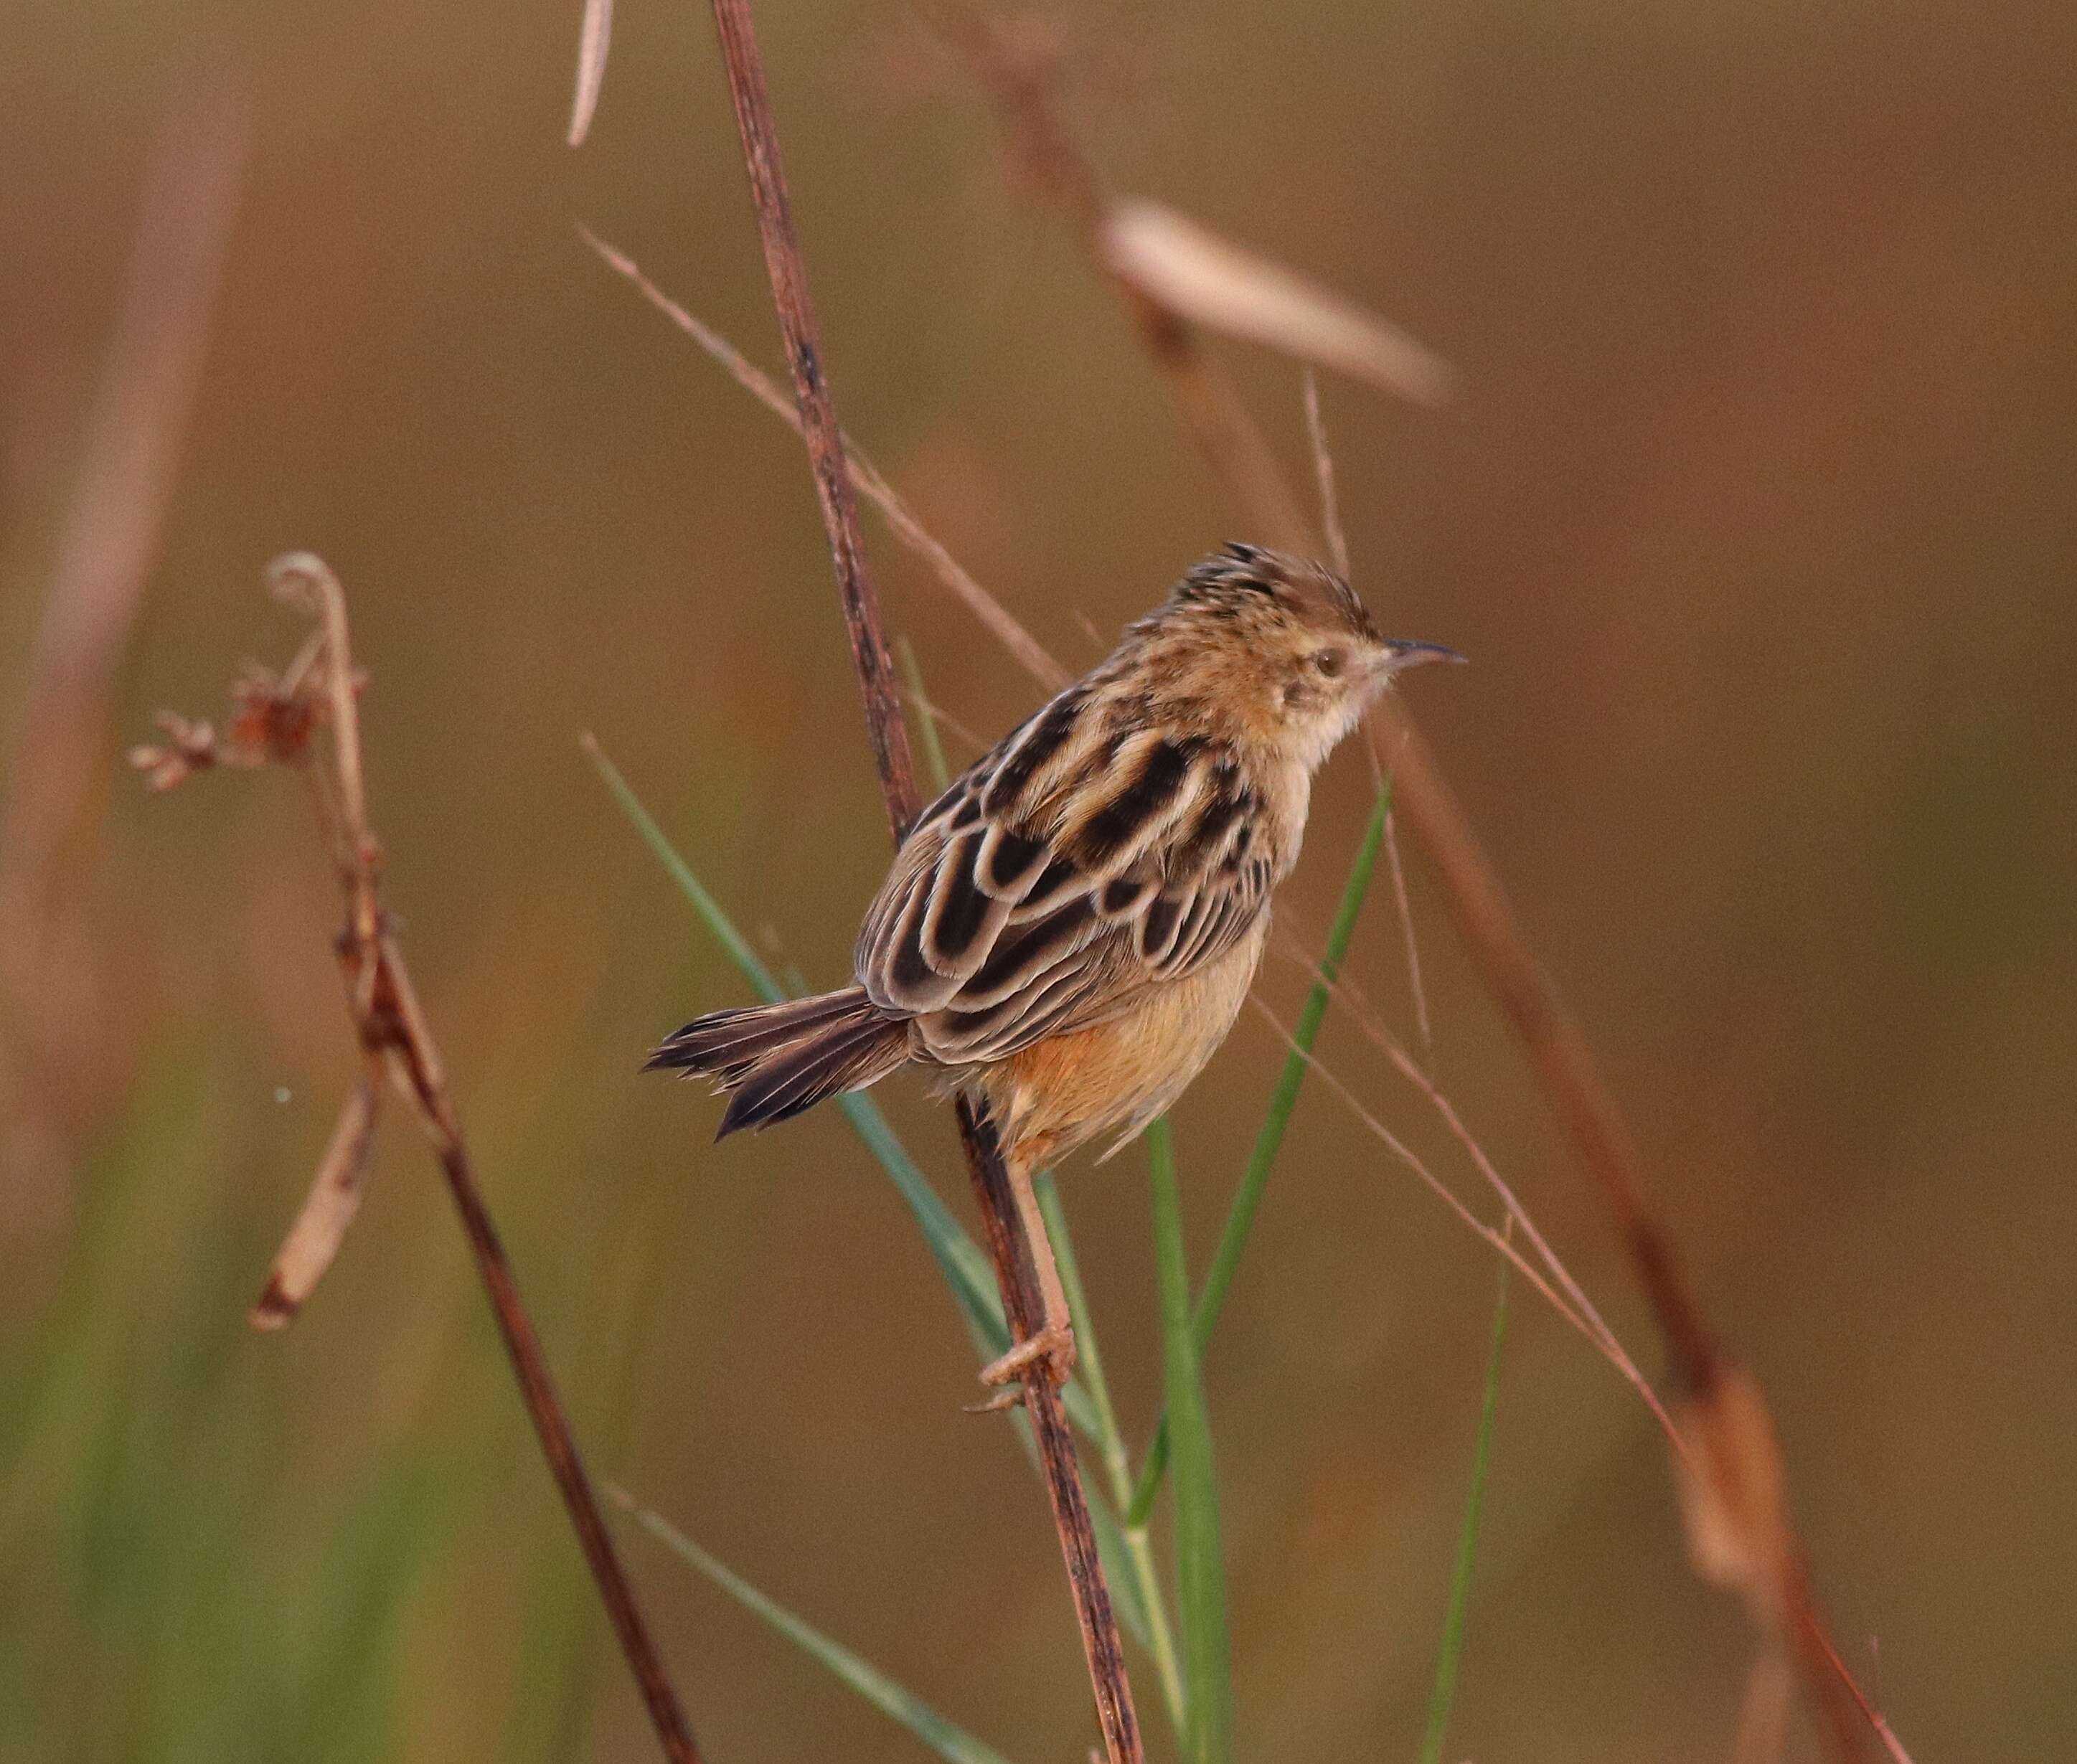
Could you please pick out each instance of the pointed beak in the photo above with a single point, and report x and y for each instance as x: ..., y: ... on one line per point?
x: 1400, y: 653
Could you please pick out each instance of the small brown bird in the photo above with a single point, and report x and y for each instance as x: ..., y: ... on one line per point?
x: 1069, y: 931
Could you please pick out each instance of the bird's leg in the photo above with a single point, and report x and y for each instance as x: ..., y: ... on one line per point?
x: 1054, y: 1342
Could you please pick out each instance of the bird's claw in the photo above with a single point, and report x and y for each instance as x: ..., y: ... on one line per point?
x: 1052, y: 1347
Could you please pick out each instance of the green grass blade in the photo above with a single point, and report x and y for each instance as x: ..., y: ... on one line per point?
x: 1128, y: 1592
x: 1240, y: 1216
x: 1088, y: 1355
x: 967, y: 1270
x: 1114, y: 1547
x: 708, y: 909
x: 1444, y: 1694
x: 926, y: 725
x: 1128, y: 1560
x: 1128, y: 1557
x: 949, y: 1741
x: 1199, y: 1566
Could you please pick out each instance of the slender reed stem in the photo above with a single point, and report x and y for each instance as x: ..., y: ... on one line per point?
x: 1117, y: 1463
x: 559, y: 1446
x: 870, y: 653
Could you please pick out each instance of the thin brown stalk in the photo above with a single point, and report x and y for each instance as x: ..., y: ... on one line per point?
x: 885, y: 731
x: 1767, y: 1566
x: 1423, y: 1024
x: 277, y: 722
x: 1014, y: 1270
x: 1500, y: 1240
x: 1019, y: 81
x: 1351, y: 997
x: 1337, y: 554
x: 1323, y: 474
x: 865, y: 476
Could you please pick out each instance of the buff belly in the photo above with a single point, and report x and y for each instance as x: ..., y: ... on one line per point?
x: 1118, y: 1076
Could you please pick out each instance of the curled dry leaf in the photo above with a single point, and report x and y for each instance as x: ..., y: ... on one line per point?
x: 1734, y: 1499
x: 593, y: 42
x: 335, y: 1198
x: 1195, y: 274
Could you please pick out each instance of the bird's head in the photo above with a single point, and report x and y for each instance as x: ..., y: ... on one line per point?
x: 1279, y: 645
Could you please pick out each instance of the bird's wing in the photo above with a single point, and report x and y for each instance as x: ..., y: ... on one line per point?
x: 1064, y: 872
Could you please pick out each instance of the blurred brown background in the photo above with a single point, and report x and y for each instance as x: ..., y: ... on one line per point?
x: 1756, y: 519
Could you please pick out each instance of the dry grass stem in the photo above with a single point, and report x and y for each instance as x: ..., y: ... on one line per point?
x: 1423, y: 1025
x: 309, y: 718
x: 1500, y: 1240
x: 1337, y: 548
x: 593, y: 40
x: 885, y: 732
x: 1352, y: 998
x: 1323, y: 474
x: 1018, y: 75
x: 1015, y: 1272
x: 865, y: 476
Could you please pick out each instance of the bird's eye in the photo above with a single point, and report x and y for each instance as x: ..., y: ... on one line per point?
x: 1327, y: 663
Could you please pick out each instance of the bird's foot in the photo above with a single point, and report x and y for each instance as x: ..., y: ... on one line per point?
x: 1051, y: 1351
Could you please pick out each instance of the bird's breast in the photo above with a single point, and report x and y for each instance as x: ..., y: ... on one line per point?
x: 1120, y: 1074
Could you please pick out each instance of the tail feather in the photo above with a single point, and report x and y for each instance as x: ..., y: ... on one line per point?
x: 776, y: 1060
x: 728, y: 1043
x: 785, y: 1085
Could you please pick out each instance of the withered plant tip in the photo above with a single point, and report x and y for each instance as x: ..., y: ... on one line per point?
x: 278, y: 721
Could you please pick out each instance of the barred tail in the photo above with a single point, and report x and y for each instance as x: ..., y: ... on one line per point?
x: 776, y: 1060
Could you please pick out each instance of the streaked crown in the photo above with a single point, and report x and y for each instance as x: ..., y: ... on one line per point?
x: 1250, y: 585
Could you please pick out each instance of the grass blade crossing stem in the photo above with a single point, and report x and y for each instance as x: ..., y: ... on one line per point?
x: 1199, y: 1566
x: 1240, y: 1217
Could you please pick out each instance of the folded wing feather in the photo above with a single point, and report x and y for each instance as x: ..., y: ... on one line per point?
x: 1062, y: 874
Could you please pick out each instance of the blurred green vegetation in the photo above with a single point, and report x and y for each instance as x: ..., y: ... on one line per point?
x: 1755, y: 522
